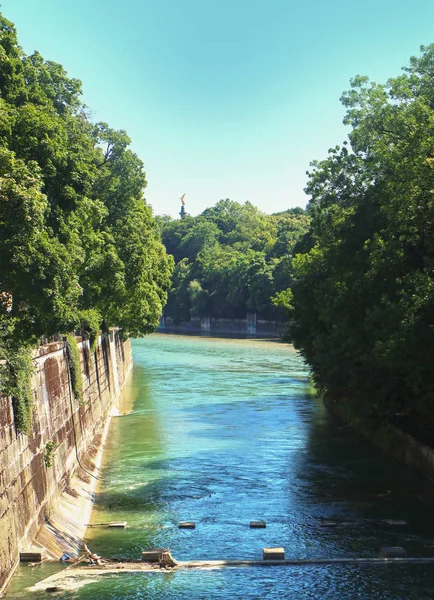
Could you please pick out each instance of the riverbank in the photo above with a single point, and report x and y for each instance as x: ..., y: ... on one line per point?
x: 48, y: 475
x: 387, y: 436
x: 65, y: 526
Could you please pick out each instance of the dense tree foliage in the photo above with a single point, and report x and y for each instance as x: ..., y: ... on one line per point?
x: 230, y: 259
x: 363, y: 290
x: 78, y: 243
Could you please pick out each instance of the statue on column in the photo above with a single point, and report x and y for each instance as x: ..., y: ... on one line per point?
x: 183, y: 211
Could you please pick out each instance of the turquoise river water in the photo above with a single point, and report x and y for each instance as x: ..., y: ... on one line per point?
x: 225, y: 431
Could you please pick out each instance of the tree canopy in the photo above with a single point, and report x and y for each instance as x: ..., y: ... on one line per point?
x: 362, y: 298
x: 230, y: 259
x: 78, y: 243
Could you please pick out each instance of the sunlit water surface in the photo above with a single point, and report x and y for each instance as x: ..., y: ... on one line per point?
x: 225, y: 431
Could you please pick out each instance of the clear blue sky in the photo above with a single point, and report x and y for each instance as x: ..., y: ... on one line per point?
x: 224, y: 98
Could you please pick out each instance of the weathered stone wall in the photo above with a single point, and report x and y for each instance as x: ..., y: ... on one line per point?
x: 229, y: 327
x: 28, y: 488
x: 386, y: 436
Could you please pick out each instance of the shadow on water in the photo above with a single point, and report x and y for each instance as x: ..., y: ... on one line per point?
x: 341, y: 477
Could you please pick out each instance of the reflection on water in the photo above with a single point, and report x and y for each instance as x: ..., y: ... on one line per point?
x: 228, y: 431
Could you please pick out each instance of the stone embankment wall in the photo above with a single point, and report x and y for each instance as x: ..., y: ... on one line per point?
x: 261, y: 328
x: 386, y: 436
x: 29, y: 488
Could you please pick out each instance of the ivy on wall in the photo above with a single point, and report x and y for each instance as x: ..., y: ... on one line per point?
x: 90, y: 324
x: 16, y: 381
x: 74, y: 364
x: 49, y: 451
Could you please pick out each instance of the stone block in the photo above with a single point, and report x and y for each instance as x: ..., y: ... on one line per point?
x: 258, y: 524
x: 33, y: 555
x: 273, y: 554
x: 187, y: 525
x: 392, y: 552
x: 153, y: 554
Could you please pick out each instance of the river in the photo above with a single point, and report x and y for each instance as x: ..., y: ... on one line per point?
x: 226, y: 431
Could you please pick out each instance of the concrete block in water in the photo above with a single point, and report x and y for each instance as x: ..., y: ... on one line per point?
x: 187, y: 525
x: 121, y: 524
x: 392, y: 552
x: 328, y: 524
x: 273, y: 554
x: 153, y: 554
x: 258, y: 524
x: 33, y: 555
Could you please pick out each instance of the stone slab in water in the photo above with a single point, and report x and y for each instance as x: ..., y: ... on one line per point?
x: 258, y: 524
x: 328, y: 524
x: 392, y: 552
x: 187, y: 525
x: 153, y: 554
x: 273, y: 554
x: 32, y: 556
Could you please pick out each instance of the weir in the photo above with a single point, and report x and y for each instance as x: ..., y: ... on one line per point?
x: 59, y: 581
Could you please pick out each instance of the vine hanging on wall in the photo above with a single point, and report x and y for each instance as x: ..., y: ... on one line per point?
x: 49, y: 451
x: 74, y: 363
x: 16, y: 381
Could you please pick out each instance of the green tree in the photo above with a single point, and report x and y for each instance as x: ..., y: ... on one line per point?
x: 363, y: 286
x: 78, y: 243
x: 227, y: 259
